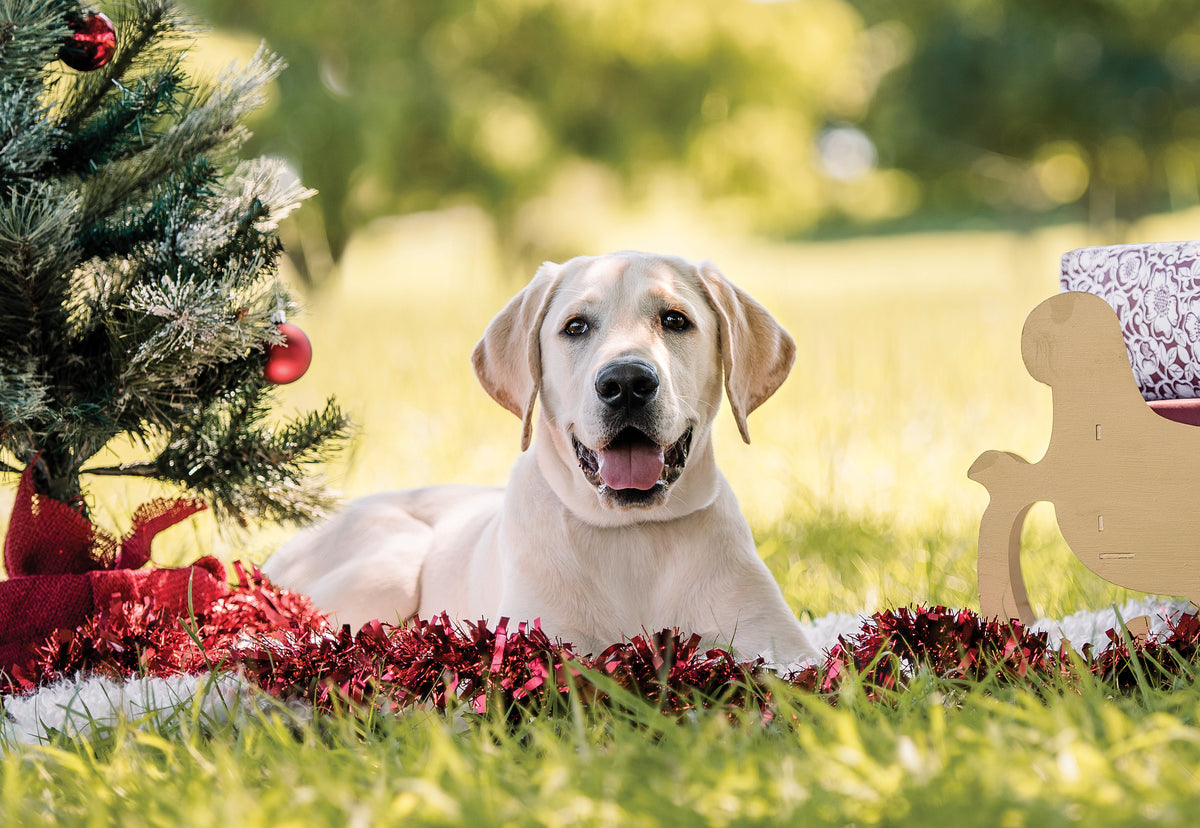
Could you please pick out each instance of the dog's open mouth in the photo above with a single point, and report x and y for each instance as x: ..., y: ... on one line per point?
x: 632, y: 462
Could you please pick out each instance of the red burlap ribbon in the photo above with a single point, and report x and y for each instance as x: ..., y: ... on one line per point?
x: 62, y: 569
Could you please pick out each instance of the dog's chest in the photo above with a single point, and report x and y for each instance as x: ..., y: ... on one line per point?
x: 628, y: 582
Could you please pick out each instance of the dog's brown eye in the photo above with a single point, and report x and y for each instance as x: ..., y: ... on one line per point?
x: 675, y: 321
x: 576, y: 327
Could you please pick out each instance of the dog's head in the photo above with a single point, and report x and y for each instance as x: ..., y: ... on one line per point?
x: 627, y: 354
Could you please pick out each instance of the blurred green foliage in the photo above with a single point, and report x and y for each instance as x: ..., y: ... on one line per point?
x: 758, y: 110
x: 1026, y: 106
x: 400, y: 106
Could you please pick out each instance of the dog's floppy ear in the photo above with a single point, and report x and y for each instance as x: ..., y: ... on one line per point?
x: 508, y: 359
x: 756, y: 351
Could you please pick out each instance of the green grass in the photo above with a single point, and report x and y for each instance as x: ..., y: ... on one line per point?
x: 934, y: 757
x: 855, y: 485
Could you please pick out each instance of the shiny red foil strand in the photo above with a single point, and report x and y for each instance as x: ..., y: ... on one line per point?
x: 950, y: 644
x: 128, y: 638
x: 278, y: 641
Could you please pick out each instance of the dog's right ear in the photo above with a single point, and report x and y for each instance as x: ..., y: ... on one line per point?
x: 508, y: 359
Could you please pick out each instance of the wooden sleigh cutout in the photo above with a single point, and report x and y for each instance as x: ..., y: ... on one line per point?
x: 1124, y: 480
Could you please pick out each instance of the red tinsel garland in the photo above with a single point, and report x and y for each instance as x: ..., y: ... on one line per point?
x: 955, y: 645
x: 277, y: 641
x: 145, y: 637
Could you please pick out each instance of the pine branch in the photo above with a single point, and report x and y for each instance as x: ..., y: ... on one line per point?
x: 27, y: 136
x: 196, y: 339
x: 31, y: 32
x: 37, y: 254
x: 141, y: 469
x: 144, y: 29
x: 211, y: 125
x: 23, y: 399
x: 126, y: 122
x: 121, y: 236
x: 248, y: 472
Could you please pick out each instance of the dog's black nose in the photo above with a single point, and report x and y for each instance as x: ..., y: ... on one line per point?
x: 627, y: 384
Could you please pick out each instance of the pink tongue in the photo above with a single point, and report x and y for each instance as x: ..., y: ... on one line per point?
x: 631, y: 467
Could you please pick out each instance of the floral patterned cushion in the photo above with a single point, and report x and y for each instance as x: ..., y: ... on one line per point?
x: 1155, y: 290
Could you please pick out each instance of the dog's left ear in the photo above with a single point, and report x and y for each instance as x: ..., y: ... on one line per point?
x: 756, y: 351
x: 508, y: 359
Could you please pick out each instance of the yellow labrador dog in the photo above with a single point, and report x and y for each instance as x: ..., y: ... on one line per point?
x: 617, y: 520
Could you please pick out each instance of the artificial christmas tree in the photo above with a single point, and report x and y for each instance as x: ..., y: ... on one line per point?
x: 138, y: 262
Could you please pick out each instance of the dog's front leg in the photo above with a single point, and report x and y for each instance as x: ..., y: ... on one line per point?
x: 779, y: 641
x: 756, y: 622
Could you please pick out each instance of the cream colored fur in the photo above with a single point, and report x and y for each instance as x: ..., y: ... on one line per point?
x: 551, y: 545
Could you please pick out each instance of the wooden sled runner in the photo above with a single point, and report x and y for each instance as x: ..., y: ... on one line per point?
x: 1124, y: 480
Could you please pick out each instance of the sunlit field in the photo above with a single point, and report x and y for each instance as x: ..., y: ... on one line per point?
x: 855, y: 482
x: 856, y: 487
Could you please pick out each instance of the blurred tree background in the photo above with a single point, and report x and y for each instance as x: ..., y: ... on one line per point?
x: 789, y: 118
x: 1023, y: 107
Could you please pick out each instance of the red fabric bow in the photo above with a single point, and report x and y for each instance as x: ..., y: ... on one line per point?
x: 62, y: 569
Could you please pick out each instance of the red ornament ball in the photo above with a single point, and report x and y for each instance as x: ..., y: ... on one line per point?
x: 288, y: 361
x: 91, y: 44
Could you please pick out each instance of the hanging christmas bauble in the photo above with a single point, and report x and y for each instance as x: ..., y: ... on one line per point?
x: 91, y: 44
x: 287, y: 362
